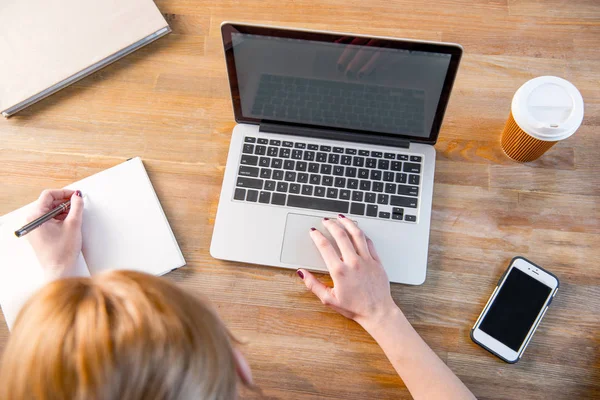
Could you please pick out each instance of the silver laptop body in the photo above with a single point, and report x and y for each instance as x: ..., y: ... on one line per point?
x: 331, y: 123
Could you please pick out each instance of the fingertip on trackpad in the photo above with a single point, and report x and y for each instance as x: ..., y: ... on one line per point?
x: 298, y: 247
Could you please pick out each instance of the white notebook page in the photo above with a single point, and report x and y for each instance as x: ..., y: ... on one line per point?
x: 124, y: 227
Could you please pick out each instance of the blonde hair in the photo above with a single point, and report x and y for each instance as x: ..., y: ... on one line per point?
x: 118, y: 335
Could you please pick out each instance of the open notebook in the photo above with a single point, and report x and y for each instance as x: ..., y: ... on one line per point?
x: 47, y: 45
x: 124, y: 227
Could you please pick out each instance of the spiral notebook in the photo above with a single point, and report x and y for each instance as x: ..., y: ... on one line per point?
x: 47, y: 45
x: 124, y: 227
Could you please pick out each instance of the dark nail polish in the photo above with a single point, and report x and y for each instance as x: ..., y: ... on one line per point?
x: 78, y: 193
x: 313, y: 229
x: 300, y: 274
x: 341, y: 216
x: 325, y: 219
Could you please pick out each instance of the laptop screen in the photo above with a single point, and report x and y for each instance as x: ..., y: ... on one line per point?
x: 351, y: 83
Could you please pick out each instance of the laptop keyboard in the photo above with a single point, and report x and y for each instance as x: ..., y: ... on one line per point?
x: 343, y: 104
x: 383, y: 185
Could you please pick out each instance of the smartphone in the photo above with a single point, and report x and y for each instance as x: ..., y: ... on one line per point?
x: 515, y: 309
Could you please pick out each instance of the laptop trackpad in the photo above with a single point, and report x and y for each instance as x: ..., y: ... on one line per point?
x: 298, y: 248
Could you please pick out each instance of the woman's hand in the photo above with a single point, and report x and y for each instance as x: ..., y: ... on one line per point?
x: 57, y: 243
x: 361, y: 289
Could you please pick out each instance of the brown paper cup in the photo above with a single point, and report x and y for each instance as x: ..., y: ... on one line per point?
x: 544, y: 111
x: 520, y: 146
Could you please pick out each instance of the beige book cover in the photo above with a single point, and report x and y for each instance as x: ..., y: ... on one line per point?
x: 46, y: 45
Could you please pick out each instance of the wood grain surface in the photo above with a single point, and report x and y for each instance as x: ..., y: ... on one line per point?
x: 169, y: 103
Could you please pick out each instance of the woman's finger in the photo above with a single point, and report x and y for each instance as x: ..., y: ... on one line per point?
x: 359, y: 240
x: 49, y: 196
x: 349, y: 52
x: 341, y: 239
x: 316, y: 286
x: 372, y: 250
x: 330, y: 256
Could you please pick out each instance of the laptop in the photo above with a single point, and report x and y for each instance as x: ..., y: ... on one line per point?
x: 331, y: 123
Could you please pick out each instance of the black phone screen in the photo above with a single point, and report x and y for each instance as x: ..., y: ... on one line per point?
x: 515, y: 309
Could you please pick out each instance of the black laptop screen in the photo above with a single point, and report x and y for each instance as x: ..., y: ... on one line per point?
x: 346, y: 83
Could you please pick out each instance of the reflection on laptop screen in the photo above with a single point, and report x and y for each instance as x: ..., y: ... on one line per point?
x: 339, y: 85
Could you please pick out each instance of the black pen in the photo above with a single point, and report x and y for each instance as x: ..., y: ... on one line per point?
x: 46, y: 217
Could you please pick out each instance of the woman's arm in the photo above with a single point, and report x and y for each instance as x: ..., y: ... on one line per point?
x: 362, y: 292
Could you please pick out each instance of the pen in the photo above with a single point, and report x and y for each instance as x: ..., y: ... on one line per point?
x: 46, y: 217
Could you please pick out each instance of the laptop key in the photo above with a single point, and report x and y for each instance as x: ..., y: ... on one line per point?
x: 309, y: 155
x: 270, y: 185
x: 249, y: 139
x: 260, y: 150
x: 264, y: 162
x: 263, y: 141
x: 415, y: 158
x: 345, y: 194
x: 265, y: 173
x: 240, y: 194
x: 290, y: 176
x: 301, y: 166
x: 388, y: 176
x: 350, y: 172
x: 288, y: 144
x: 383, y: 198
x: 358, y: 161
x: 375, y: 175
x: 272, y: 152
x: 401, y: 201
x: 321, y: 157
x: 408, y: 190
x: 402, y: 157
x: 295, y: 188
x: 332, y: 193
x: 326, y: 169
x: 383, y: 164
x: 357, y: 209
x: 313, y: 167
x: 352, y: 184
x: 370, y: 197
x: 249, y: 183
x: 338, y: 150
x: 338, y: 170
x: 378, y: 187
x: 277, y: 163
x: 318, y: 204
x: 411, y: 218
x: 313, y: 147
x: 371, y: 163
x: 376, y: 154
x: 351, y: 151
x: 248, y: 171
x: 363, y: 152
x: 396, y: 166
x: 346, y: 160
x: 249, y: 160
x: 390, y: 188
x: 252, y: 195
x: 302, y: 177
x: 385, y: 215
x: 274, y: 142
x: 363, y: 173
x: 401, y: 177
x: 278, y: 199
x: 414, y: 179
x: 282, y: 187
x: 390, y: 156
x: 284, y: 152
x: 320, y: 191
x: 300, y: 145
x: 248, y: 149
x: 372, y: 210
x: 278, y: 175
x: 339, y: 182
x: 288, y: 164
x: 315, y: 179
x: 357, y: 196
x: 265, y: 197
x: 307, y: 190
x: 325, y: 148
x: 297, y: 154
x: 327, y: 181
x: 365, y: 185
x: 412, y: 167
x: 333, y: 158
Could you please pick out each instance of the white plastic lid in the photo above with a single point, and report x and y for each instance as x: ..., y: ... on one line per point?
x: 548, y: 108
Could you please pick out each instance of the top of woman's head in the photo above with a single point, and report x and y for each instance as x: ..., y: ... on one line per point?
x: 119, y: 335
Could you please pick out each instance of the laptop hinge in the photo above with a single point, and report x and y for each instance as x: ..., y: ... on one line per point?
x: 334, y: 134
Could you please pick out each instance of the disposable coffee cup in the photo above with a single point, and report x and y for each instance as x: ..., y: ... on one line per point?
x: 544, y: 111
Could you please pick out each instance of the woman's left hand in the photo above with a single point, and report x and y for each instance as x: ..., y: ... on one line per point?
x: 57, y: 243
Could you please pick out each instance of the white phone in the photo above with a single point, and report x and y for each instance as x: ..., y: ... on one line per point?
x: 515, y: 309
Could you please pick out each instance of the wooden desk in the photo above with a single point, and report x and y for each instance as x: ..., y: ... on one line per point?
x: 169, y: 103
